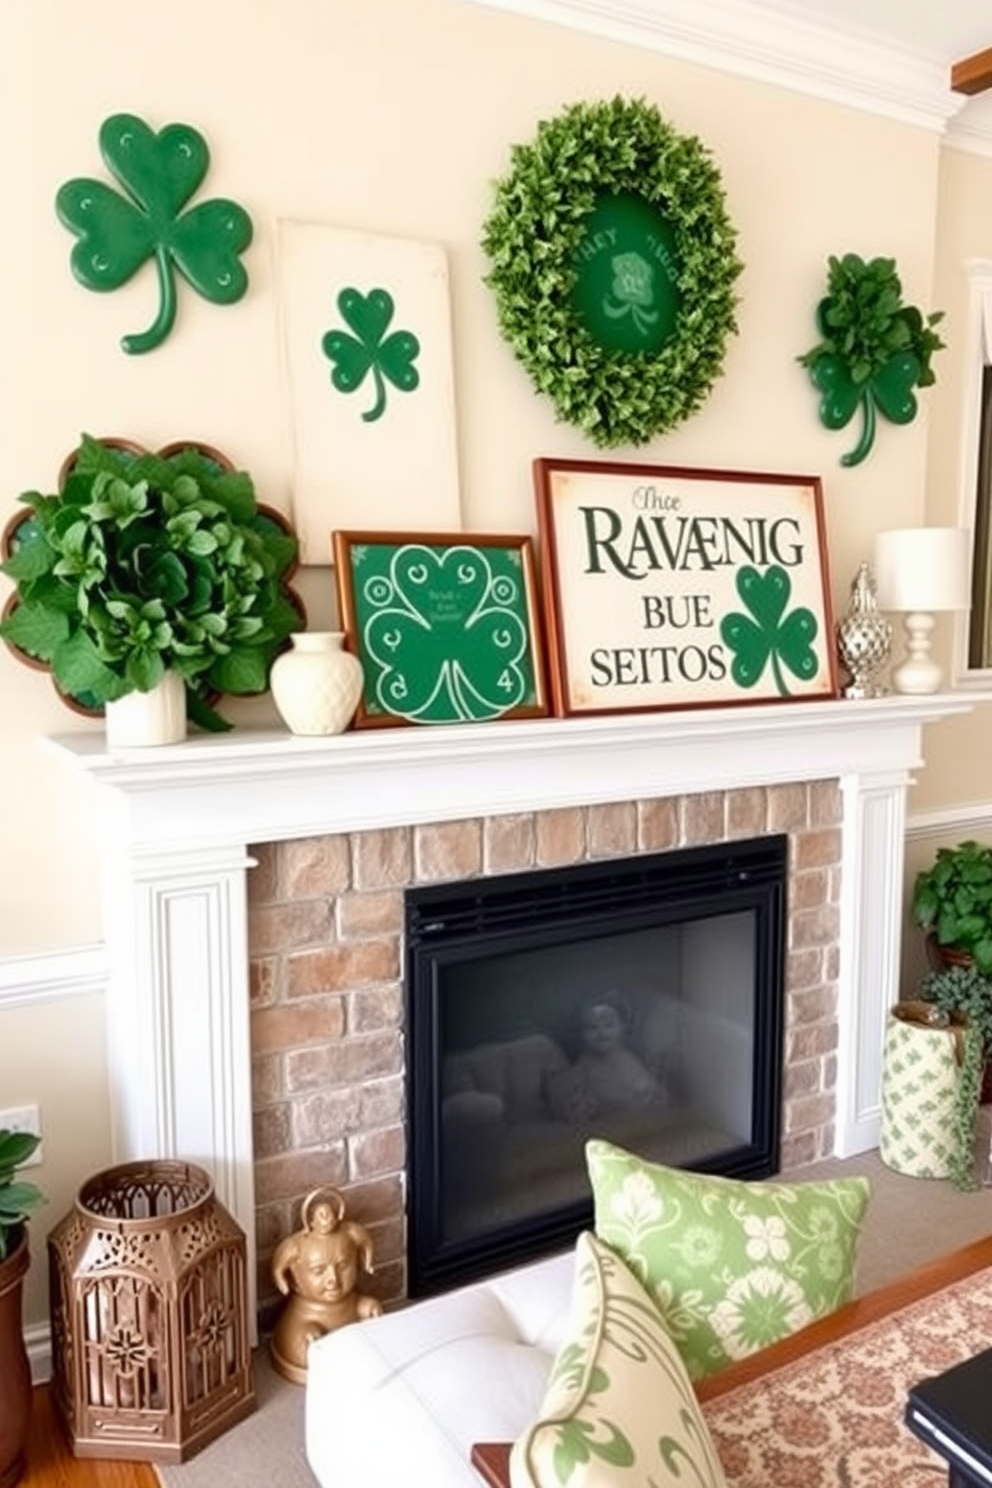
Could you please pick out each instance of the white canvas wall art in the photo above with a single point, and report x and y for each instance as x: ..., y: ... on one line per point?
x: 366, y: 332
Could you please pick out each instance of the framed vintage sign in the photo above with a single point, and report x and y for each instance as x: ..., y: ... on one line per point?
x: 446, y: 626
x: 667, y: 587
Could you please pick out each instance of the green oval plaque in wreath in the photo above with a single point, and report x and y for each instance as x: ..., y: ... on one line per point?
x: 613, y: 262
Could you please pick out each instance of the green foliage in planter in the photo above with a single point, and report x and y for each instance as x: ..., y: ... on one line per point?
x: 533, y: 234
x: 966, y: 991
x: 143, y: 563
x: 874, y: 349
x: 952, y: 899
x: 17, y: 1198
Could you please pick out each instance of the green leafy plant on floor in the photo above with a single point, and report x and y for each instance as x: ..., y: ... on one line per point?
x: 143, y: 563
x: 874, y: 350
x: 952, y: 900
x: 965, y: 993
x: 17, y: 1198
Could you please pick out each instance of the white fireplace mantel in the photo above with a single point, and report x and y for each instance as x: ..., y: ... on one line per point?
x: 177, y: 822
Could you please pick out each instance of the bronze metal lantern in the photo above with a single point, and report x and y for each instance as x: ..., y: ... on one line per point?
x: 151, y: 1357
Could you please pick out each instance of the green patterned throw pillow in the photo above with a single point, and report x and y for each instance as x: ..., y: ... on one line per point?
x: 619, y: 1411
x: 732, y: 1265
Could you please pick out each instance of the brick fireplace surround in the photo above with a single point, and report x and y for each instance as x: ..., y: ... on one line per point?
x: 253, y: 914
x: 325, y: 922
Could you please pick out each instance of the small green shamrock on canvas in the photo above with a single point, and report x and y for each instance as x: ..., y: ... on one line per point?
x: 768, y: 634
x: 388, y: 358
x: 120, y: 231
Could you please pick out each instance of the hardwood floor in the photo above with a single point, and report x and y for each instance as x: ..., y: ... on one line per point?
x: 52, y: 1465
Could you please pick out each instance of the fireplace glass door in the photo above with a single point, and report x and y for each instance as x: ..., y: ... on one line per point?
x: 639, y: 1001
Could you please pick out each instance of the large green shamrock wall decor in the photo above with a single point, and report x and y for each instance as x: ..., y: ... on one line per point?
x: 119, y: 231
x: 767, y: 634
x: 874, y: 349
x: 370, y: 349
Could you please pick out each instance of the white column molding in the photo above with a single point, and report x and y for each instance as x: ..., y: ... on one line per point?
x: 178, y: 1016
x: 871, y: 918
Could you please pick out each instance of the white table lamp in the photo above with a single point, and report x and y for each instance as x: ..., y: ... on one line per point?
x: 920, y: 571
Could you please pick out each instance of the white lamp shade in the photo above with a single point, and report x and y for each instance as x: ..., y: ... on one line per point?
x: 923, y: 568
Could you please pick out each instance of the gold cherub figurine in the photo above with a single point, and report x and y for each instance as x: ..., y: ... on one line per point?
x: 317, y: 1268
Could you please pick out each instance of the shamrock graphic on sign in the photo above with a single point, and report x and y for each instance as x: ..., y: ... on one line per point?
x: 768, y: 634
x: 388, y: 358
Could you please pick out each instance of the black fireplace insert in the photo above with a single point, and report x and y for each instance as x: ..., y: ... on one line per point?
x: 637, y: 1000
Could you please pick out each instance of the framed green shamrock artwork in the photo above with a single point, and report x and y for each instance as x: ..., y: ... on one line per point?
x: 446, y: 626
x: 666, y: 587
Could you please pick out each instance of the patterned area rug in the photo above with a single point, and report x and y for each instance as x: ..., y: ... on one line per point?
x: 834, y: 1419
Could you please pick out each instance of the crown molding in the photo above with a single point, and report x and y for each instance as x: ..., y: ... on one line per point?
x: 763, y: 40
x: 971, y: 130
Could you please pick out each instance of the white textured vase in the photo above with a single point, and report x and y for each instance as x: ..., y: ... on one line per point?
x: 145, y: 718
x: 317, y: 684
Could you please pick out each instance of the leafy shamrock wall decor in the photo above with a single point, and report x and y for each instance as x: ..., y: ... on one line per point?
x: 120, y: 231
x: 874, y: 349
x: 768, y: 634
x: 388, y: 358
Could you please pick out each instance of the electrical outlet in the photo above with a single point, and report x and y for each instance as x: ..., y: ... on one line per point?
x: 24, y: 1119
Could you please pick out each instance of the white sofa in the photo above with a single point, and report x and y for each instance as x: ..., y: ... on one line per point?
x: 400, y: 1399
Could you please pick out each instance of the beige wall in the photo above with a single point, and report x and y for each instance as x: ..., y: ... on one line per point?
x: 394, y: 116
x: 55, y: 1052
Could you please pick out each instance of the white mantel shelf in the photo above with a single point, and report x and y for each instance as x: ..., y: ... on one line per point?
x: 176, y: 825
x: 281, y: 786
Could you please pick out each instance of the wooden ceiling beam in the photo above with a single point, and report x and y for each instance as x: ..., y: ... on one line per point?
x: 972, y: 74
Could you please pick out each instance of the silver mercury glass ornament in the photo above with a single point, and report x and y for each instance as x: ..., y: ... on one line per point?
x: 864, y: 638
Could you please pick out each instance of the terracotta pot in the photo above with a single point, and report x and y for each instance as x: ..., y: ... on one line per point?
x: 15, y: 1372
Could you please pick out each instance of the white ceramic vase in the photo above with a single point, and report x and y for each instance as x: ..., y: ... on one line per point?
x: 316, y: 685
x: 140, y: 719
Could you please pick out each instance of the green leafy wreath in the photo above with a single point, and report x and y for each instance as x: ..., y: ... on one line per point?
x: 535, y: 230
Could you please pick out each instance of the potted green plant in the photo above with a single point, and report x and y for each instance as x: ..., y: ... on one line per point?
x: 952, y: 904
x: 142, y: 565
x: 962, y: 994
x: 17, y: 1200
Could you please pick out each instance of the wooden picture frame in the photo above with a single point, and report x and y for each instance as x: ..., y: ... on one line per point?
x: 669, y: 587
x: 447, y: 626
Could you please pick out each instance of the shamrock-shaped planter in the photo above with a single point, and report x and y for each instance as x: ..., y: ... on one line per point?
x: 874, y: 350
x: 120, y: 231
